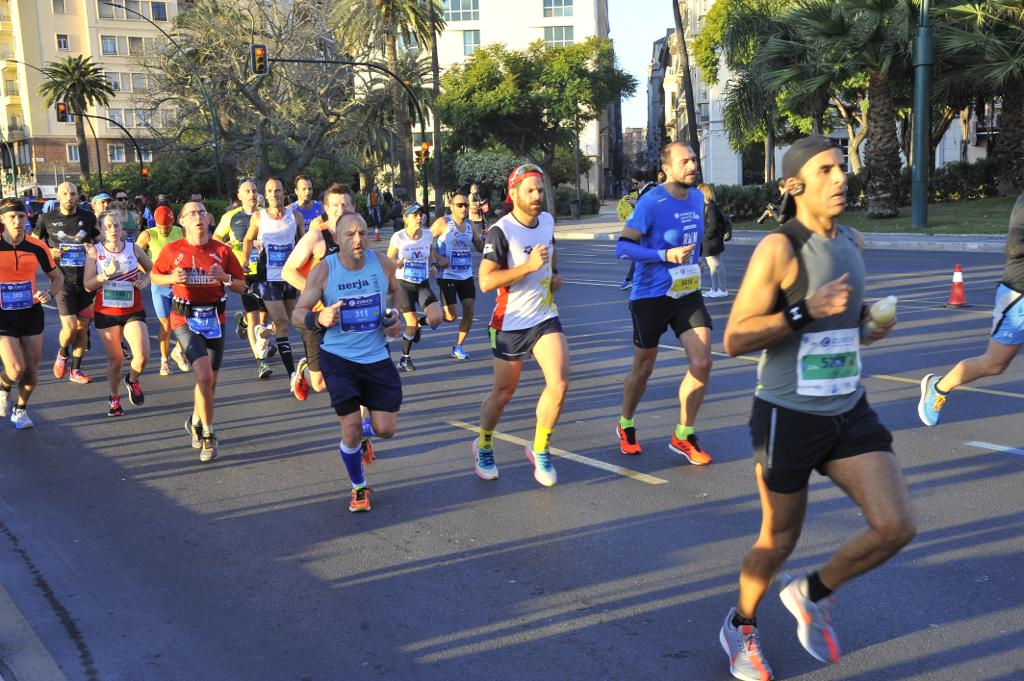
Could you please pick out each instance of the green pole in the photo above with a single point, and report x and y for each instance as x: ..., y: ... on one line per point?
x: 923, y: 60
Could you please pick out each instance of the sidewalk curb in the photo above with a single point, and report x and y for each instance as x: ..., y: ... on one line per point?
x: 23, y: 657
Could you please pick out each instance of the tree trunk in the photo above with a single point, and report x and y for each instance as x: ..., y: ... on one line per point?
x: 364, y: 180
x: 1009, y: 146
x: 403, y: 131
x: 435, y: 70
x: 769, y: 155
x: 684, y: 64
x: 83, y: 147
x: 883, y: 151
x: 965, y: 132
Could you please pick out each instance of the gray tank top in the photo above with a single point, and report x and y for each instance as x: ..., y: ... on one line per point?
x: 817, y: 370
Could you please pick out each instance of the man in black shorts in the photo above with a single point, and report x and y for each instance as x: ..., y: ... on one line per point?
x: 801, y: 303
x: 414, y: 254
x: 21, y: 310
x: 663, y: 237
x: 456, y: 238
x: 67, y: 231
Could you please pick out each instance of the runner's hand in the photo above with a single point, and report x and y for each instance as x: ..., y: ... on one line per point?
x: 679, y: 254
x: 141, y: 281
x: 831, y: 299
x: 395, y: 330
x: 111, y: 268
x: 329, y: 316
x: 55, y: 253
x: 880, y: 331
x: 42, y: 296
x: 180, y: 275
x: 443, y: 261
x: 217, y: 272
x: 556, y: 282
x: 538, y: 258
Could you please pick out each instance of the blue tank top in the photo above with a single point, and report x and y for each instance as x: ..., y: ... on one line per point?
x: 309, y: 214
x: 358, y: 336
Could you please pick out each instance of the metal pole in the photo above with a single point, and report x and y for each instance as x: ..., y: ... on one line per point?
x: 96, y: 139
x: 212, y: 109
x: 138, y: 150
x: 923, y: 60
x: 435, y: 70
x: 576, y: 153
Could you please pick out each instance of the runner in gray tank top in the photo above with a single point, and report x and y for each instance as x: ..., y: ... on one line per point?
x: 801, y: 303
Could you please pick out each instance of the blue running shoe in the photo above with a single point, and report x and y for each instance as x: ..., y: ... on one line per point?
x: 483, y: 459
x: 458, y: 353
x: 931, y: 402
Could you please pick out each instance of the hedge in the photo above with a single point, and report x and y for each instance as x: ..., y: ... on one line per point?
x: 589, y: 203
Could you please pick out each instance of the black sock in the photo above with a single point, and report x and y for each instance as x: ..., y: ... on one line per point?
x: 738, y: 621
x: 284, y: 348
x: 5, y: 385
x: 65, y: 351
x: 406, y: 345
x: 76, y: 363
x: 815, y: 589
x: 941, y: 392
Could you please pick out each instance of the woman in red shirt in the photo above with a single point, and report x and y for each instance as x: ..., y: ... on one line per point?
x: 119, y: 270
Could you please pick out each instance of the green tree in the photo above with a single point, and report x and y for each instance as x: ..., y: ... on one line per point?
x: 530, y: 100
x: 81, y: 84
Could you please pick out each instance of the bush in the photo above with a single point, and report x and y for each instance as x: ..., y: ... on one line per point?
x: 625, y: 207
x: 964, y: 181
x: 745, y: 202
x: 589, y: 203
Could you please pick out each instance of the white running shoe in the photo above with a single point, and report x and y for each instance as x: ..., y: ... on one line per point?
x: 5, y: 398
x: 543, y: 471
x: 20, y: 419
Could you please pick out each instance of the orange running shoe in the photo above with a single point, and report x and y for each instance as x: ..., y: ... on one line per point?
x: 690, y: 448
x: 368, y: 453
x: 299, y: 386
x: 360, y: 500
x: 628, y: 444
x: 60, y: 366
x: 79, y: 376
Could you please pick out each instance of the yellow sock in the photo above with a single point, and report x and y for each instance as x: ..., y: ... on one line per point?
x: 541, y: 439
x: 486, y: 439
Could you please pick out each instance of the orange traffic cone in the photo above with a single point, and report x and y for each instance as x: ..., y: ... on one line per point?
x: 376, y: 233
x: 956, y: 291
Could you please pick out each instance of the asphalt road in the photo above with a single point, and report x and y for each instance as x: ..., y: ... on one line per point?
x: 131, y: 561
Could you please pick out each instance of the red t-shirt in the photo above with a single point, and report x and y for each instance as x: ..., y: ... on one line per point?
x: 201, y: 288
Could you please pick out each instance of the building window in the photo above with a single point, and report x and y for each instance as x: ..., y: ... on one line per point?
x: 132, y: 8
x: 558, y: 8
x: 115, y: 152
x: 72, y: 153
x: 107, y: 12
x: 159, y: 11
x: 461, y: 10
x: 135, y: 46
x: 115, y: 115
x: 139, y: 82
x: 62, y: 42
x: 142, y: 118
x: 25, y: 153
x: 114, y: 78
x: 109, y: 45
x: 470, y: 42
x: 557, y: 36
x: 58, y: 7
x: 146, y: 155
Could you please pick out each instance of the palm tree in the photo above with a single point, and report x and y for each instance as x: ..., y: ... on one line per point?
x: 81, y: 84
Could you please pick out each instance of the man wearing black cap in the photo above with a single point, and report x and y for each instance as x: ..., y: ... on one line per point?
x: 801, y: 304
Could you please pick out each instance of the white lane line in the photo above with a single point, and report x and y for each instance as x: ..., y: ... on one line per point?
x: 587, y: 282
x: 585, y: 460
x: 995, y: 448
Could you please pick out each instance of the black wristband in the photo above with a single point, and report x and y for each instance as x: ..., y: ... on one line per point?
x: 313, y: 321
x: 797, y: 316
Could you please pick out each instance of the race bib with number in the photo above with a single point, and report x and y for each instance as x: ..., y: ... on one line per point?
x: 118, y: 293
x: 205, y: 321
x: 461, y: 261
x: 277, y: 255
x: 72, y: 255
x: 415, y: 271
x: 685, y: 280
x: 828, y: 363
x: 16, y: 295
x: 361, y: 313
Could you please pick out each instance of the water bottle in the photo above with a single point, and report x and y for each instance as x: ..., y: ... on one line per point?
x: 882, y: 312
x: 389, y: 319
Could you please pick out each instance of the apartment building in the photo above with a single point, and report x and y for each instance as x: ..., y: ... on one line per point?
x: 112, y: 32
x: 474, y: 23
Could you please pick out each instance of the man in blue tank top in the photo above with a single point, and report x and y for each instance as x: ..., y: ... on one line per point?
x: 801, y: 304
x: 353, y: 286
x: 305, y: 204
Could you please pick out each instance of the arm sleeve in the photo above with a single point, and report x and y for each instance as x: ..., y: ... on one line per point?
x: 1015, y: 237
x: 496, y: 248
x: 631, y: 250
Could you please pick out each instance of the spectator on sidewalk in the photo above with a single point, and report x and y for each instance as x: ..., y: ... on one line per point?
x: 717, y: 230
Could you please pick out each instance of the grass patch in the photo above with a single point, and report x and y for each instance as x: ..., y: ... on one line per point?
x: 984, y: 216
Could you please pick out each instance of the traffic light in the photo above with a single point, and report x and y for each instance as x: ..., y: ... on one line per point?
x: 423, y: 154
x: 419, y: 157
x: 62, y: 112
x: 260, y: 64
x: 145, y: 174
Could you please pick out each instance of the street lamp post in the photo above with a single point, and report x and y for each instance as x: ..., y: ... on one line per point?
x: 923, y: 60
x: 211, y: 108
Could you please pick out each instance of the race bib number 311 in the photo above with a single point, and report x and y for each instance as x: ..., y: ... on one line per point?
x: 360, y: 313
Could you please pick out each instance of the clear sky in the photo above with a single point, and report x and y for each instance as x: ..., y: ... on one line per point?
x: 635, y: 25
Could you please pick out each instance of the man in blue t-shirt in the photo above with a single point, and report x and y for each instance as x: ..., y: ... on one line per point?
x: 663, y: 237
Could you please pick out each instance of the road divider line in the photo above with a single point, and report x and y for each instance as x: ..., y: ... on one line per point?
x: 585, y: 460
x: 995, y: 448
x: 966, y: 388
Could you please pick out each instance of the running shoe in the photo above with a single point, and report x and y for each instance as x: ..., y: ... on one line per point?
x: 264, y: 331
x: 20, y: 419
x: 483, y: 459
x: 813, y: 620
x: 263, y: 369
x: 78, y: 376
x: 626, y: 285
x: 543, y: 471
x: 165, y: 367
x: 299, y: 386
x: 115, y: 407
x: 931, y: 402
x: 691, y: 449
x: 368, y: 454
x: 743, y: 646
x: 628, y: 443
x: 60, y: 366
x: 135, y: 395
x: 405, y: 364
x: 368, y: 428
x: 360, y: 500
x: 5, y: 401
x: 241, y: 327
x: 196, y: 431
x: 179, y: 358
x: 209, y: 448
x: 458, y: 353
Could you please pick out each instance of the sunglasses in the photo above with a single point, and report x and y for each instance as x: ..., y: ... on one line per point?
x: 122, y: 198
x: 460, y: 205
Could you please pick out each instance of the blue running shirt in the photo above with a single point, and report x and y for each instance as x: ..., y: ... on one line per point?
x: 665, y: 222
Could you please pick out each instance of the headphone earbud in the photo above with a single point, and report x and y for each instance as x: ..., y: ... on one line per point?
x: 798, y: 189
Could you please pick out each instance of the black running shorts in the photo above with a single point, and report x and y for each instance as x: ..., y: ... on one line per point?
x: 653, y: 316
x: 72, y: 301
x: 453, y: 290
x: 420, y: 293
x: 22, y: 323
x: 515, y: 346
x: 376, y: 386
x: 196, y: 346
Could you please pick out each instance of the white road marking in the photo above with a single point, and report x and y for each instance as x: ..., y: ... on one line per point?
x: 995, y: 448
